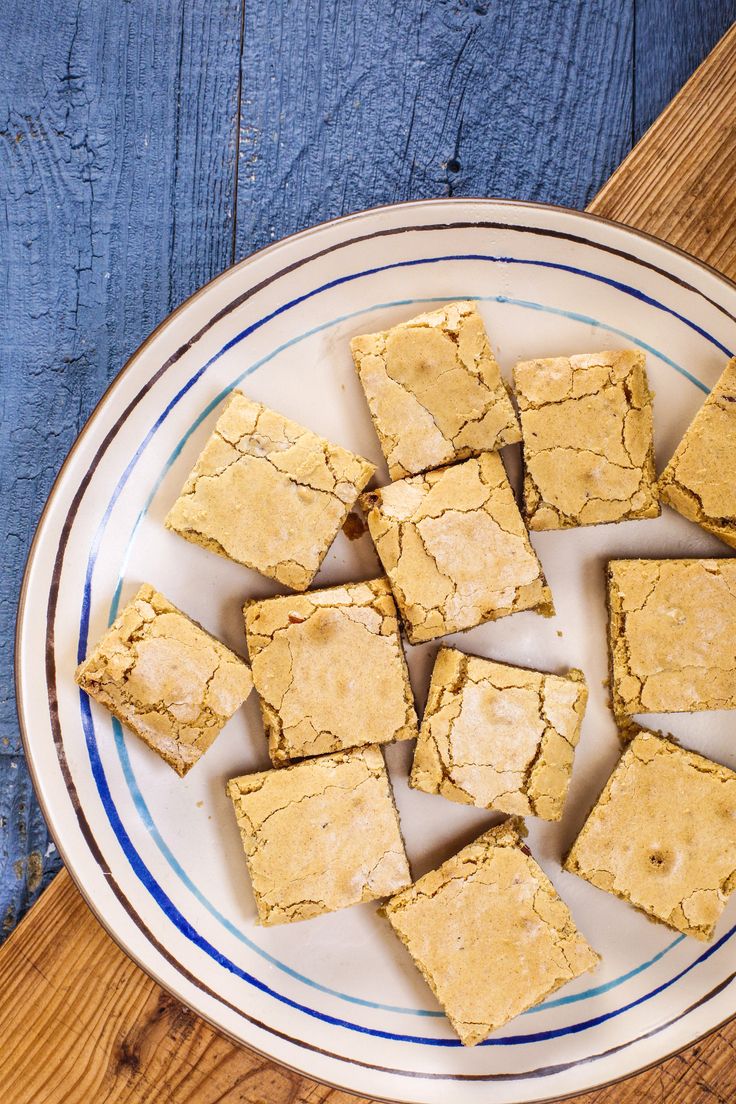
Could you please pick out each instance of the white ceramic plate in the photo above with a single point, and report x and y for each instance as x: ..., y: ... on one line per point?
x: 158, y: 858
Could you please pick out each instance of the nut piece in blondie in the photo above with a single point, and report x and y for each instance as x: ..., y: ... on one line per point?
x: 165, y: 678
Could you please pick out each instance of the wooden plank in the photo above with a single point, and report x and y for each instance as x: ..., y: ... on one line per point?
x: 678, y: 183
x: 511, y: 98
x: 671, y: 38
x: 117, y: 189
x: 105, y: 1031
x: 87, y: 1025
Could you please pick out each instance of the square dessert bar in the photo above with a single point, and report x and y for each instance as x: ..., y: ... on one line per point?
x: 489, y: 933
x: 165, y: 678
x: 455, y: 549
x: 699, y: 480
x: 499, y: 737
x: 268, y: 493
x: 672, y: 635
x: 320, y: 835
x: 434, y: 390
x: 330, y: 671
x: 588, y: 439
x: 662, y: 835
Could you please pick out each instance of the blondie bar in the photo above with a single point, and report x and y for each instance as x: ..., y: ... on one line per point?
x: 330, y: 671
x: 662, y: 835
x: 489, y: 933
x: 434, y: 390
x: 499, y: 737
x: 672, y: 635
x: 268, y: 493
x: 588, y: 439
x: 320, y: 835
x: 699, y: 480
x: 165, y: 678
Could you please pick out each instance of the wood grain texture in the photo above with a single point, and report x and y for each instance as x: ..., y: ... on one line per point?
x: 29, y: 856
x: 108, y: 1033
x: 356, y: 105
x: 117, y: 184
x: 679, y: 181
x: 671, y: 38
x: 520, y: 98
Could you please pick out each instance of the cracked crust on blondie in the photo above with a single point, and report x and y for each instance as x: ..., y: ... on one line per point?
x: 678, y: 869
x: 588, y: 439
x: 672, y: 635
x: 499, y: 737
x: 434, y: 390
x: 330, y: 670
x: 455, y: 549
x: 464, y: 924
x: 699, y: 481
x: 320, y: 835
x: 268, y: 493
x: 165, y: 678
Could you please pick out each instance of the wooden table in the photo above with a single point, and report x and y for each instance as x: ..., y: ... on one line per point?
x: 78, y: 1021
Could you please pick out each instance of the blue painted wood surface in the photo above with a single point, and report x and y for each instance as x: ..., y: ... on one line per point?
x: 145, y: 145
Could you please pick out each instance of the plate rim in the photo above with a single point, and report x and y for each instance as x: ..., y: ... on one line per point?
x: 433, y: 204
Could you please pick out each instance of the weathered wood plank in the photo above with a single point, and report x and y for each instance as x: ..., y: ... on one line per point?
x: 118, y: 134
x: 28, y: 858
x: 124, y: 1039
x: 348, y: 106
x: 679, y: 181
x: 671, y: 38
